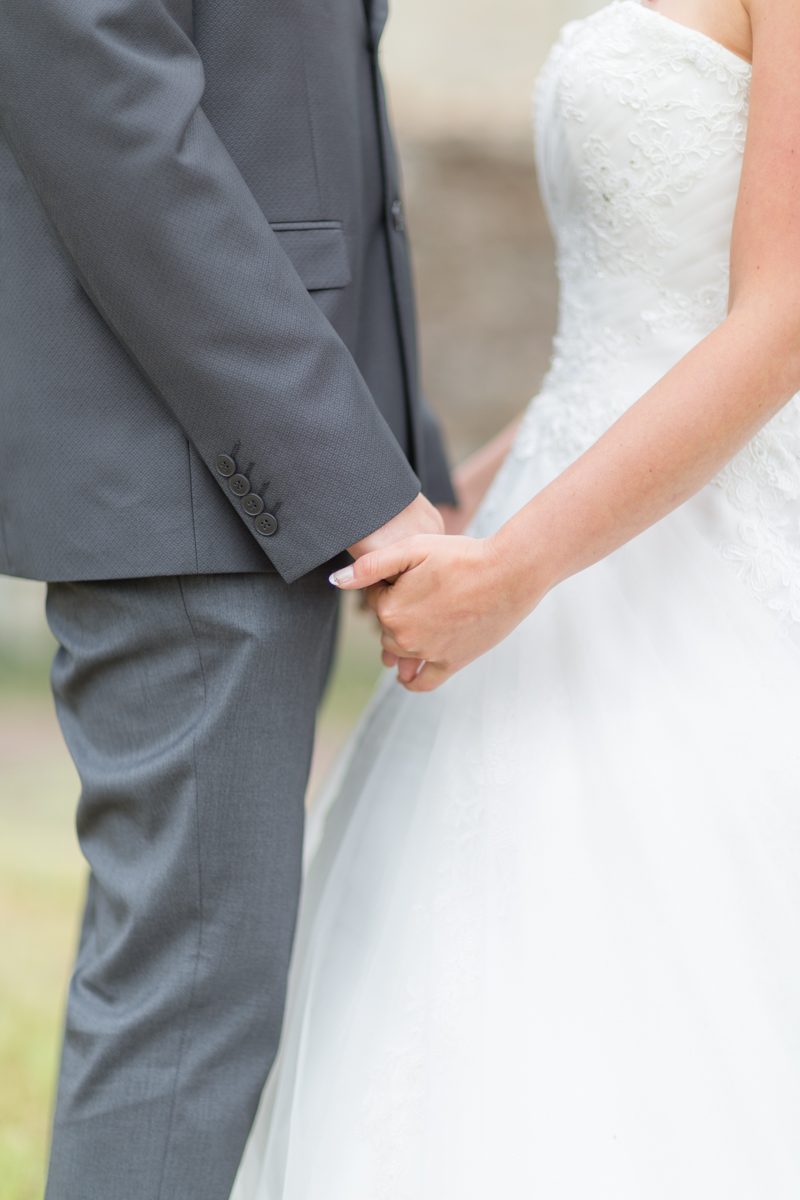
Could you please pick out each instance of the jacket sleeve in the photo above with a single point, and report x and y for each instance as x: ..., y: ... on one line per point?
x: 100, y: 103
x: 438, y: 485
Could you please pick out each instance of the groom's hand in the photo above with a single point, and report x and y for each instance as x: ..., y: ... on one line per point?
x: 419, y: 517
x: 452, y: 600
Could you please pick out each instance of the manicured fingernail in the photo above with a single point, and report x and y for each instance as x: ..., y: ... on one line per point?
x: 339, y: 578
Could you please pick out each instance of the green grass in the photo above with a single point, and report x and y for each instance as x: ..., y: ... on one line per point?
x: 41, y: 883
x: 356, y: 668
x: 25, y: 672
x: 42, y: 879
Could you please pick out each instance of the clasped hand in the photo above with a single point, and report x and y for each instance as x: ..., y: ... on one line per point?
x: 441, y: 602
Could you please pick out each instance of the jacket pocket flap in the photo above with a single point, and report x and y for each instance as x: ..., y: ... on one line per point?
x: 317, y: 251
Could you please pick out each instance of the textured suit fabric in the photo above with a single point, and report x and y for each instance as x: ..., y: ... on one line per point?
x: 201, y: 253
x: 188, y: 706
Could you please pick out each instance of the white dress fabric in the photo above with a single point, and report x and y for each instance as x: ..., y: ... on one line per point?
x: 550, y: 936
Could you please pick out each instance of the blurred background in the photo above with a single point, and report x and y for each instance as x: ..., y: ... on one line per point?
x: 459, y: 75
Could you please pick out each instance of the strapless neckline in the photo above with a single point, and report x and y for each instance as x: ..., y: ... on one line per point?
x: 690, y: 31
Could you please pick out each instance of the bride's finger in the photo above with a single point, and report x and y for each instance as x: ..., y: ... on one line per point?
x: 380, y: 565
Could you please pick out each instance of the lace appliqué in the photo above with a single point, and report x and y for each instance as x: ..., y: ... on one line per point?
x: 671, y: 143
x: 703, y: 309
x: 581, y: 397
x: 763, y: 483
x: 610, y: 207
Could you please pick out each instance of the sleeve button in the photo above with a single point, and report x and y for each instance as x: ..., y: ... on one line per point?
x: 225, y: 465
x: 239, y: 485
x: 266, y: 524
x: 253, y: 505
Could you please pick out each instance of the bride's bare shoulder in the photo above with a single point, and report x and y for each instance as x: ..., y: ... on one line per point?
x: 726, y: 21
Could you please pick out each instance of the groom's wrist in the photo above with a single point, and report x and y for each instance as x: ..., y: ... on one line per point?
x: 418, y: 517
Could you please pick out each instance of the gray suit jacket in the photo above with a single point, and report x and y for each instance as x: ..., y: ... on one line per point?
x: 207, y: 346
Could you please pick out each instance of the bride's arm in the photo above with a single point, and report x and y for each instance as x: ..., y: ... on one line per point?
x: 460, y: 596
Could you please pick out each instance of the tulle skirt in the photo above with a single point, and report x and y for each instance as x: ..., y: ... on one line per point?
x: 550, y: 935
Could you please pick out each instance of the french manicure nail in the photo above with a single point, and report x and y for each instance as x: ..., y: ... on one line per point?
x: 338, y: 578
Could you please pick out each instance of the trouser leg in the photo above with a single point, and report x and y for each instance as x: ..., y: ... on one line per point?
x: 188, y: 706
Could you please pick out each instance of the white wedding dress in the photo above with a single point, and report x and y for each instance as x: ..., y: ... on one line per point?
x: 550, y: 936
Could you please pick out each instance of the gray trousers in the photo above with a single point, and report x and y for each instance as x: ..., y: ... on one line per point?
x: 188, y: 706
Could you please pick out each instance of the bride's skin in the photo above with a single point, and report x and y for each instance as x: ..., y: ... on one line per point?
x: 456, y: 597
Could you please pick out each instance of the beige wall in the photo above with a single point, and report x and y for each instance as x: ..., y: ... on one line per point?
x: 466, y: 68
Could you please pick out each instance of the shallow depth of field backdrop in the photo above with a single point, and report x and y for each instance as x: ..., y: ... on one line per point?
x: 460, y: 74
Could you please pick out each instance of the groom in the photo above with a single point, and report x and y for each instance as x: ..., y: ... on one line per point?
x: 207, y: 393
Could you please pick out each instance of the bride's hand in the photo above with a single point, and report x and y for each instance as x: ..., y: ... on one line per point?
x: 453, y: 599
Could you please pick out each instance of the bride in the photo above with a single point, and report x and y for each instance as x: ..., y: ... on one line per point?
x: 550, y: 939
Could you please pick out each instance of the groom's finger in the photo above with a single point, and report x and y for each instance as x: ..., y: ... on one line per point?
x: 373, y: 596
x: 391, y: 646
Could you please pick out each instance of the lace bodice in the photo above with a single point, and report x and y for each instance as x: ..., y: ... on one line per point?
x: 640, y: 127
